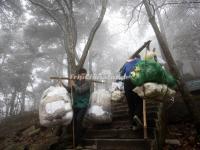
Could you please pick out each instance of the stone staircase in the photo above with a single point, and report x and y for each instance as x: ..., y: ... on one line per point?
x: 119, y: 136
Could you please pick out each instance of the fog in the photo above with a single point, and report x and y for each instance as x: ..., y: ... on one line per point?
x: 33, y: 46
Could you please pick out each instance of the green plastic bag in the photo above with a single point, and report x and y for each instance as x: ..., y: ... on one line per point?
x: 151, y: 71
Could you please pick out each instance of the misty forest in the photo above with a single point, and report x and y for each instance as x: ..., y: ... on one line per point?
x: 43, y: 43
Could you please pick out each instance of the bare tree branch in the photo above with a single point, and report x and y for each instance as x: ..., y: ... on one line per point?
x: 152, y: 6
x: 134, y: 9
x: 161, y: 4
x: 5, y: 15
x: 138, y: 17
x: 178, y: 3
x: 68, y: 6
x: 77, y: 58
x: 133, y: 13
x: 72, y: 21
x: 48, y: 11
x: 92, y: 33
x: 61, y: 6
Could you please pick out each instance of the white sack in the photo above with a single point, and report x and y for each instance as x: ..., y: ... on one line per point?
x: 154, y: 91
x: 101, y: 97
x: 55, y: 107
x: 99, y: 111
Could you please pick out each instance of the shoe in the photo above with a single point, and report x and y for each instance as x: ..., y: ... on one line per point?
x: 79, y: 147
x: 135, y: 127
x: 138, y: 121
x: 90, y: 147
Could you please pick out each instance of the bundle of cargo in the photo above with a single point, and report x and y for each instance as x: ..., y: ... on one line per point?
x: 55, y: 107
x: 118, y: 85
x: 117, y: 95
x: 99, y: 111
x: 151, y: 71
x: 150, y: 55
x: 154, y: 91
x: 117, y: 91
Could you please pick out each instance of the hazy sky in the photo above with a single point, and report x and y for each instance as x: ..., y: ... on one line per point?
x: 117, y: 25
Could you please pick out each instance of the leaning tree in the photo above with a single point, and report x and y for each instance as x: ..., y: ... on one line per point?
x: 187, y: 98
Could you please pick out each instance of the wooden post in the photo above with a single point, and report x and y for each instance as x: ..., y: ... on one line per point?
x: 74, y: 147
x: 73, y: 131
x: 144, y: 119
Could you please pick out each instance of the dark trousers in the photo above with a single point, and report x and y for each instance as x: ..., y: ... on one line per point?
x: 79, y: 114
x: 133, y: 100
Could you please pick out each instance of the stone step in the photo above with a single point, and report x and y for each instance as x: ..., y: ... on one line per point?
x: 122, y: 124
x: 114, y: 125
x: 125, y: 103
x: 118, y: 124
x: 152, y: 115
x: 125, y: 112
x: 86, y: 147
x: 118, y: 104
x: 120, y: 144
x: 122, y: 107
x: 125, y: 106
x: 117, y: 112
x: 117, y: 133
x: 120, y: 117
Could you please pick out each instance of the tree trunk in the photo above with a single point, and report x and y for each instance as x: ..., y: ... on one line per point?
x: 23, y: 101
x: 12, y: 102
x: 90, y: 63
x: 70, y: 55
x: 90, y: 70
x: 171, y: 63
x: 7, y: 105
x: 92, y: 34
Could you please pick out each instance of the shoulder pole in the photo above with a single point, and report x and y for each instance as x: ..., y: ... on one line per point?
x: 72, y: 98
x: 67, y: 78
x: 146, y: 44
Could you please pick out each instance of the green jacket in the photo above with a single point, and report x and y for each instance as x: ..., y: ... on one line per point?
x: 81, y: 94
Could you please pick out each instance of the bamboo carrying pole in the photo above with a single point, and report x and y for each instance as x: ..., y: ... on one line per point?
x: 144, y: 119
x: 144, y: 104
x: 75, y: 78
x: 73, y: 131
x: 146, y: 44
x: 73, y: 128
x: 71, y: 94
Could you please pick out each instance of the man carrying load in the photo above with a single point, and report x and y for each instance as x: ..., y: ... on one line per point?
x: 133, y: 100
x: 81, y: 94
